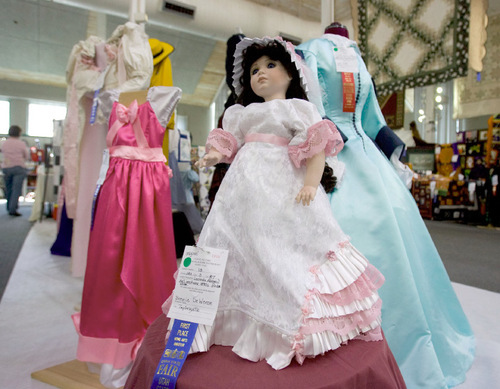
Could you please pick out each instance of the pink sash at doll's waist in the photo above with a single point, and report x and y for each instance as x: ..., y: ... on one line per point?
x: 267, y: 138
x: 138, y: 153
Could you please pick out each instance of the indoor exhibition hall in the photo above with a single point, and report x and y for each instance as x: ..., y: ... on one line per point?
x: 157, y: 231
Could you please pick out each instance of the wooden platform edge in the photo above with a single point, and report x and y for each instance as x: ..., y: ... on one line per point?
x: 69, y: 375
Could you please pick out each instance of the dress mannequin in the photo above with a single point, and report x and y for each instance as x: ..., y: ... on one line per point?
x: 422, y: 318
x: 131, y: 251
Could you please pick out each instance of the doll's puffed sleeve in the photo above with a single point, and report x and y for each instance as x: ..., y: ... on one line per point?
x: 228, y: 140
x: 163, y: 100
x: 311, y: 134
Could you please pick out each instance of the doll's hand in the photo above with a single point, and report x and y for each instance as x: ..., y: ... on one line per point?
x: 212, y: 158
x: 306, y: 195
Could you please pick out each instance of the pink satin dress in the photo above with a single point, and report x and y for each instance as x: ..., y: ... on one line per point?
x: 131, y: 256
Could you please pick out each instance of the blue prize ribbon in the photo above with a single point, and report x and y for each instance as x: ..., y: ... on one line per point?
x: 95, y: 102
x: 174, y: 355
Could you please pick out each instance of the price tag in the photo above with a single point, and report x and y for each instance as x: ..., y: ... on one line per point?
x: 198, y: 285
x: 494, y: 180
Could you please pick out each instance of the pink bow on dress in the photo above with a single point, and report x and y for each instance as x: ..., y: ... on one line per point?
x: 124, y: 116
x: 127, y: 114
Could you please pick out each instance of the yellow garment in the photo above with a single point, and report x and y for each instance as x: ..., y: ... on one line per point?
x: 162, y: 76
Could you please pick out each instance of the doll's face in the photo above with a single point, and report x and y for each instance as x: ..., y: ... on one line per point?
x: 269, y: 79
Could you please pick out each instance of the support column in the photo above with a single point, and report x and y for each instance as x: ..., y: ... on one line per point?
x: 96, y: 24
x: 327, y: 12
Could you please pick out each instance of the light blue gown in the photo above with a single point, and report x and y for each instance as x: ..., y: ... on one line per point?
x: 422, y: 318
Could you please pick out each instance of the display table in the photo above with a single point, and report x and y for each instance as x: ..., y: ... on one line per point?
x: 359, y: 365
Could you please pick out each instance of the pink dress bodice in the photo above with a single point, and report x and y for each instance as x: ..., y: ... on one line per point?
x: 147, y: 122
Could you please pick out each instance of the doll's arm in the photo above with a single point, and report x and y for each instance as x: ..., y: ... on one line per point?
x: 314, y: 171
x: 213, y: 157
x: 221, y: 147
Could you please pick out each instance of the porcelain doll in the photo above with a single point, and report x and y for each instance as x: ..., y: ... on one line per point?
x: 294, y: 286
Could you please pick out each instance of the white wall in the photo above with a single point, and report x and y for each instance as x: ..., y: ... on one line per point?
x: 199, y: 122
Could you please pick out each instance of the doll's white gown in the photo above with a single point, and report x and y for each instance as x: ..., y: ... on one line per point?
x: 294, y: 286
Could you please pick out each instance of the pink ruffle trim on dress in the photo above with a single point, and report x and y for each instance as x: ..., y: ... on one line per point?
x: 320, y: 136
x: 343, y: 305
x: 370, y: 281
x: 343, y: 325
x: 333, y: 276
x: 104, y: 350
x: 224, y: 142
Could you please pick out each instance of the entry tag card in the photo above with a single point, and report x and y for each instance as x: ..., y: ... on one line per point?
x: 198, y: 285
x: 346, y: 59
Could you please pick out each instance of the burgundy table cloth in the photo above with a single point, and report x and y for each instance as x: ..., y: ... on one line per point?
x: 359, y: 365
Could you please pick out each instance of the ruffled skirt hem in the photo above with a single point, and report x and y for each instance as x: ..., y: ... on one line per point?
x: 105, y: 350
x: 255, y: 341
x: 341, y: 303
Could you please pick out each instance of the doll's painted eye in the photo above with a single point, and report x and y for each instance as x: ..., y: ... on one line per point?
x: 271, y: 65
x: 255, y: 71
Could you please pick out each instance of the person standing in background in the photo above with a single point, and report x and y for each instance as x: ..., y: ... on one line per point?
x: 15, y: 153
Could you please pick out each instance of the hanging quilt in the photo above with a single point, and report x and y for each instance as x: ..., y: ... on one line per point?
x: 410, y: 43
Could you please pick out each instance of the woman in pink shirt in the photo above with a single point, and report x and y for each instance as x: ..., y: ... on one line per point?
x: 15, y: 153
